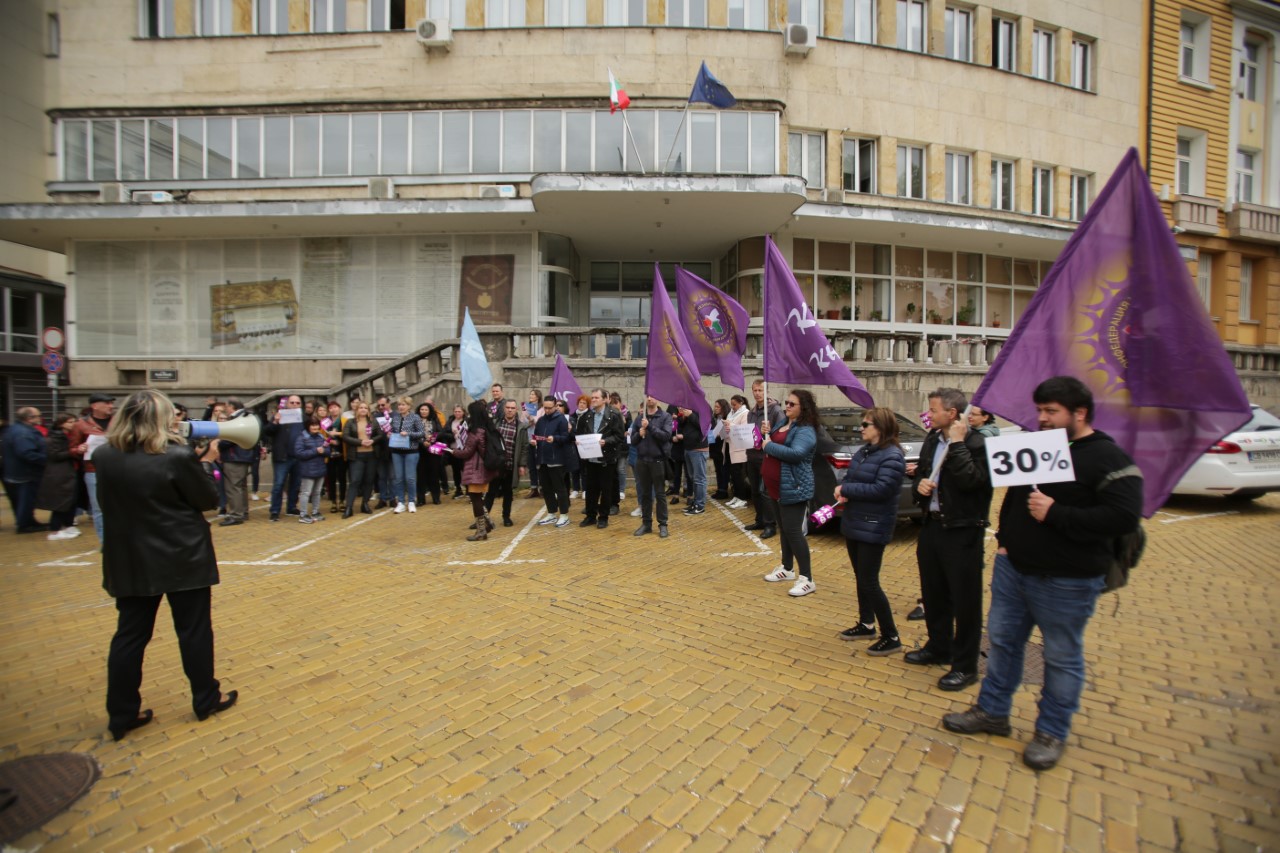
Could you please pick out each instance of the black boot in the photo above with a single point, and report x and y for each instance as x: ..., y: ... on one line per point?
x: 346, y: 513
x: 364, y: 507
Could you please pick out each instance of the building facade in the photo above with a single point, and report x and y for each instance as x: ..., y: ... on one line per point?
x: 303, y: 190
x: 1213, y: 136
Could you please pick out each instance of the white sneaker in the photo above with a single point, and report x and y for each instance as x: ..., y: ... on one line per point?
x: 622, y: 495
x: 803, y: 586
x: 550, y: 519
x: 64, y: 533
x: 737, y: 503
x: 572, y: 495
x: 636, y: 513
x: 254, y: 497
x: 413, y: 507
x: 780, y: 574
x: 399, y: 508
x: 563, y: 521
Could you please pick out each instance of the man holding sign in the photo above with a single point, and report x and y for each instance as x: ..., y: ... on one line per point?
x: 1056, y: 544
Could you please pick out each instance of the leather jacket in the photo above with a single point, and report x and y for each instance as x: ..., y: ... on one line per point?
x: 964, y: 491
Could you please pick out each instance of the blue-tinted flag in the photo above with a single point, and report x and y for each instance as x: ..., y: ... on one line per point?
x: 708, y: 90
x: 472, y: 362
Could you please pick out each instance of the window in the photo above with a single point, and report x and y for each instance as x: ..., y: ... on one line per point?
x: 1042, y: 54
x: 683, y: 13
x: 214, y: 17
x: 1079, y: 196
x: 859, y: 21
x: 804, y: 157
x: 911, y: 18
x: 1004, y: 44
x: 504, y: 13
x: 52, y: 35
x: 328, y: 16
x: 807, y: 12
x: 158, y: 18
x: 1204, y: 279
x: 910, y: 171
x: 1250, y: 61
x: 1082, y: 64
x: 959, y: 34
x: 957, y: 176
x: 385, y: 15
x: 566, y: 13
x: 1189, y: 175
x: 624, y: 13
x: 1042, y: 190
x: 859, y: 165
x: 747, y: 15
x: 1193, y: 61
x: 1002, y: 197
x: 1245, y: 176
x: 271, y: 16
x: 1246, y: 289
x: 453, y: 11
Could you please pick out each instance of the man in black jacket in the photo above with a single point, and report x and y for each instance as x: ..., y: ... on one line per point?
x: 283, y: 436
x: 953, y: 488
x: 651, y: 437
x: 1056, y: 545
x: 600, y: 475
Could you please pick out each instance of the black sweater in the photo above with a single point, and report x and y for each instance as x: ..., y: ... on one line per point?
x: 1075, y: 539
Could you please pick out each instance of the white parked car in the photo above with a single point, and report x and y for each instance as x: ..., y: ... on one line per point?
x: 1243, y: 466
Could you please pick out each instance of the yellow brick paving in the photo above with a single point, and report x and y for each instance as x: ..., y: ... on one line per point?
x: 402, y: 689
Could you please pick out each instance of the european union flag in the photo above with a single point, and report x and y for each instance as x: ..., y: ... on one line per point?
x: 708, y: 90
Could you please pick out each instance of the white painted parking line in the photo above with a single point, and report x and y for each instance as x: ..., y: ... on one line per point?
x: 755, y: 540
x: 506, y: 552
x: 69, y: 560
x: 341, y: 529
x: 1177, y: 518
x: 260, y: 563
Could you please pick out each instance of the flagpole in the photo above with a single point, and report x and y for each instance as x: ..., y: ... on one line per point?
x: 684, y: 115
x: 635, y: 147
x: 764, y: 330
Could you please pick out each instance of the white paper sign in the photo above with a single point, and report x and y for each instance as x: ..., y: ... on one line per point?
x: 1030, y: 458
x: 94, y: 442
x: 742, y: 437
x: 291, y: 416
x: 589, y: 446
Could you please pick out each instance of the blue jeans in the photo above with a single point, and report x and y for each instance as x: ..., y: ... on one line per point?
x: 281, y: 470
x: 91, y: 486
x: 695, y: 466
x: 1061, y: 608
x: 405, y: 489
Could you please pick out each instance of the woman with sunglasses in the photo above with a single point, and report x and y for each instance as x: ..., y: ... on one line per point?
x: 787, y: 472
x: 870, y: 491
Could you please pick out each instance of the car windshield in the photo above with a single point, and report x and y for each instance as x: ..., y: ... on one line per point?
x: 1262, y: 421
x: 845, y: 426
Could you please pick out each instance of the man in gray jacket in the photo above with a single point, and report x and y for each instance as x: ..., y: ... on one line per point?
x: 651, y: 437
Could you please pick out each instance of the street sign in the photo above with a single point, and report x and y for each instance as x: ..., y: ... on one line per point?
x: 53, y: 338
x: 164, y: 375
x: 52, y: 362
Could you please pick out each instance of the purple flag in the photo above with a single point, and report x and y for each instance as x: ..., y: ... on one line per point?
x: 671, y: 374
x: 795, y: 348
x: 563, y: 385
x: 715, y: 326
x: 1119, y: 312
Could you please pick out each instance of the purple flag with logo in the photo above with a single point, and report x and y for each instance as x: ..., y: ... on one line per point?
x: 563, y: 385
x: 715, y: 325
x: 795, y: 348
x: 671, y: 374
x: 1119, y: 312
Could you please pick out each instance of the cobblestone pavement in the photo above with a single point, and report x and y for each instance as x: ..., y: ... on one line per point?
x: 553, y: 688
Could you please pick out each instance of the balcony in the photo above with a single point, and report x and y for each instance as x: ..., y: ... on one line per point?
x: 1254, y: 222
x: 1196, y: 215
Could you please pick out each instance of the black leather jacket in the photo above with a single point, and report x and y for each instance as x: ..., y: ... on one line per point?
x: 964, y: 492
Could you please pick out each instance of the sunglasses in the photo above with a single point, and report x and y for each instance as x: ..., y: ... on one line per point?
x: 866, y: 424
x: 790, y: 404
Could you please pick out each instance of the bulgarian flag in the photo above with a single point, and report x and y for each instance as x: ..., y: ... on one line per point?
x: 618, y: 98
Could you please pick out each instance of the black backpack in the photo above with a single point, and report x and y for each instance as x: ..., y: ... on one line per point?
x: 495, y: 451
x: 1126, y: 549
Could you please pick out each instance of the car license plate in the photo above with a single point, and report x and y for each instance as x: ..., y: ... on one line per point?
x: 1264, y: 455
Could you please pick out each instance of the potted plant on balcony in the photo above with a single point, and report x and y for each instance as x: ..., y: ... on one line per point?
x: 934, y: 316
x: 846, y: 313
x: 876, y: 316
x: 909, y: 313
x: 995, y: 320
x: 964, y: 314
x: 839, y: 287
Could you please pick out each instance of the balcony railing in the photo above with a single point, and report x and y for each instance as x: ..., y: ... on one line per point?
x: 1196, y: 215
x: 1254, y: 222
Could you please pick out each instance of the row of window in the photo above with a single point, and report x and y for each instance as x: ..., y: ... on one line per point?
x: 217, y: 18
x: 1195, y: 47
x: 1189, y: 168
x: 458, y: 142
x: 806, y: 152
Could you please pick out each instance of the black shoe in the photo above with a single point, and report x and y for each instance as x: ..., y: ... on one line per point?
x: 884, y: 646
x: 768, y: 532
x: 917, y: 614
x: 346, y: 513
x: 642, y: 530
x: 1043, y: 752
x: 759, y: 525
x: 291, y: 512
x: 976, y: 721
x: 222, y: 705
x: 380, y: 504
x: 435, y: 499
x: 925, y: 657
x: 275, y: 516
x: 364, y: 507
x: 691, y: 510
x: 957, y: 680
x: 675, y: 499
x: 720, y: 496
x: 506, y: 522
x: 142, y: 719
x: 613, y: 510
x: 587, y: 522
x: 857, y: 632
x: 662, y: 531
x: 603, y: 523
x: 229, y: 521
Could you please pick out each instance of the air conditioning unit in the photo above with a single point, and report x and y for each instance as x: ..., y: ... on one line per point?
x: 152, y: 197
x: 799, y: 39
x: 382, y: 188
x: 830, y: 196
x: 434, y: 32
x: 497, y: 191
x: 112, y: 194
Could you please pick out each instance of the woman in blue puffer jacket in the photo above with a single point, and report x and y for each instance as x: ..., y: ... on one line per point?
x: 787, y: 473
x: 870, y: 492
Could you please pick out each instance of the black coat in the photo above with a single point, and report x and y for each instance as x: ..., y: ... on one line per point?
x: 964, y: 492
x: 612, y: 433
x: 154, y: 535
x: 871, y: 487
x: 58, y: 486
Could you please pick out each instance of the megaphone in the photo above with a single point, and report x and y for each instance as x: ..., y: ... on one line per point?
x: 243, y: 431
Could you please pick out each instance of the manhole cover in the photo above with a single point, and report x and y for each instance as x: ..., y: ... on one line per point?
x: 1032, y: 663
x: 35, y: 788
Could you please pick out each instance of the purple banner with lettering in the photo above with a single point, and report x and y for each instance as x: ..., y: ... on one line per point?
x: 671, y: 374
x: 796, y: 350
x: 715, y: 325
x: 1118, y: 311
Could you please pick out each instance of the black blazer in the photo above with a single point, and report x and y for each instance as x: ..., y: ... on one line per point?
x: 612, y: 432
x: 154, y: 535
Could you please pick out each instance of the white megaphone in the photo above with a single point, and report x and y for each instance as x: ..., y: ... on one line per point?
x: 243, y: 430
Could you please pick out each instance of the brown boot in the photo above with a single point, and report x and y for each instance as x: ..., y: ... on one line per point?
x: 481, y: 534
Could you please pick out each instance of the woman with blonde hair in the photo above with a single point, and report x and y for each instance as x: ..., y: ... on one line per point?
x: 156, y: 542
x: 361, y: 435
